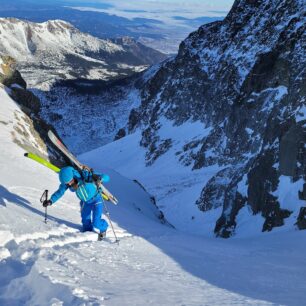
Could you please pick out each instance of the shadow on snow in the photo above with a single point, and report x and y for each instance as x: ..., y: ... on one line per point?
x: 20, y: 201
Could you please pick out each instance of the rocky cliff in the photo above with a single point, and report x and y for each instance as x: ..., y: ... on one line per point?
x: 244, y: 79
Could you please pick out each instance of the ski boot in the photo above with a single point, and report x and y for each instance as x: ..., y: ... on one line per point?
x: 101, y: 236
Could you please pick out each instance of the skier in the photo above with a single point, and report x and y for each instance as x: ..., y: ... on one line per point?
x: 86, y: 189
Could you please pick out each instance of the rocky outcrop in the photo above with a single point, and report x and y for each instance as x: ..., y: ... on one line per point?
x: 9, y: 75
x: 34, y: 137
x: 12, y: 78
x: 301, y: 219
x: 120, y: 134
x: 26, y: 99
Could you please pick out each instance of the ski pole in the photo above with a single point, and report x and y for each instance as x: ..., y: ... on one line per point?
x: 110, y: 221
x: 42, y: 199
x: 46, y: 214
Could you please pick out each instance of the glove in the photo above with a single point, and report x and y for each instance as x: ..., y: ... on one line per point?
x: 105, y: 178
x: 47, y: 203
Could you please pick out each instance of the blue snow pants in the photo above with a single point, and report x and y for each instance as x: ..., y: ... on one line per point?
x: 91, y: 212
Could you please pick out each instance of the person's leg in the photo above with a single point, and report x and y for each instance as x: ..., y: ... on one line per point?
x: 86, y: 216
x: 98, y: 225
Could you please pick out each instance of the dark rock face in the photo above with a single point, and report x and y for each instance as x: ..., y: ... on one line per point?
x: 213, y: 193
x: 244, y: 78
x: 26, y: 99
x: 301, y: 220
x: 13, y: 78
x: 292, y: 150
x: 121, y: 133
x: 302, y: 193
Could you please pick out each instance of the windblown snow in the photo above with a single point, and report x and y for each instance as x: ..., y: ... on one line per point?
x: 154, y: 264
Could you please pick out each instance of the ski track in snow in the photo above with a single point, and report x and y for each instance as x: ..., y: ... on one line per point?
x: 58, y: 246
x: 65, y: 249
x: 78, y: 270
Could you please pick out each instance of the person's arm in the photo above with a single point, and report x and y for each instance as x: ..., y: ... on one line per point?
x: 103, y: 177
x: 59, y: 193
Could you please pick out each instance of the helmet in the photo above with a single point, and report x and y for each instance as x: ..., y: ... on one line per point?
x: 66, y: 175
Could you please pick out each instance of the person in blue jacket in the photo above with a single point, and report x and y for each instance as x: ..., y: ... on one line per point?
x: 86, y: 190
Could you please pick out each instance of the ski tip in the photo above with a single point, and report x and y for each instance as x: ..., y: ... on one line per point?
x: 114, y: 201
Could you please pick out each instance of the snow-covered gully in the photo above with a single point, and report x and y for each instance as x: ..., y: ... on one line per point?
x: 154, y: 264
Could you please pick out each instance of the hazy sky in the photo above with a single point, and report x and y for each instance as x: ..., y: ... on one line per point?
x: 163, y: 10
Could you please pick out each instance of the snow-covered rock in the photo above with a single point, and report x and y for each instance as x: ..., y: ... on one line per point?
x: 88, y: 114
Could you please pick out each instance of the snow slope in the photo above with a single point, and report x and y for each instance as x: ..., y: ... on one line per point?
x: 55, y: 264
x: 176, y: 189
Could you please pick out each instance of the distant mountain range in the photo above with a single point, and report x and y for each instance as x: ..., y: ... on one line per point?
x: 56, y: 50
x: 152, y: 33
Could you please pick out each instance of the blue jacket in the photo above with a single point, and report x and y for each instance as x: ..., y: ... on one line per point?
x: 86, y: 190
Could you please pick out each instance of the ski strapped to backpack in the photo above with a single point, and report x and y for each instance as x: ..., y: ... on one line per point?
x: 47, y: 164
x: 80, y: 167
x: 92, y: 177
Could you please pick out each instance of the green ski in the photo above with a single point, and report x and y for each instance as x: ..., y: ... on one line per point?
x: 42, y: 161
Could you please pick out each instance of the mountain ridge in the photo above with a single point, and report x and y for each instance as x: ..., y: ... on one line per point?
x: 56, y: 50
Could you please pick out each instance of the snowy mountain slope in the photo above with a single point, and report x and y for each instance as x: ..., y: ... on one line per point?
x: 232, y: 100
x: 175, y: 189
x: 172, y: 186
x: 95, y: 108
x: 55, y: 264
x: 89, y: 107
x: 56, y: 50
